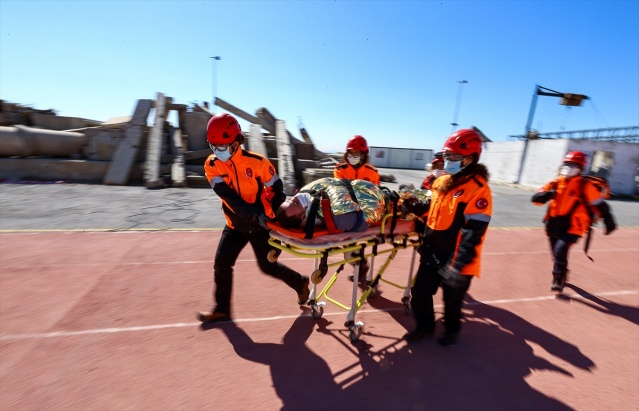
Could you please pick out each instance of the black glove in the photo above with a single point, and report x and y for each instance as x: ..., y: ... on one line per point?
x: 415, y: 206
x: 610, y: 224
x: 609, y: 220
x: 452, y: 277
x: 543, y: 197
x: 262, y: 219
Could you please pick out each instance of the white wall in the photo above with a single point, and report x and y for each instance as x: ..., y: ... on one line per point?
x: 502, y: 160
x: 542, y: 161
x: 626, y: 160
x: 543, y: 158
x: 378, y: 156
x: 410, y: 158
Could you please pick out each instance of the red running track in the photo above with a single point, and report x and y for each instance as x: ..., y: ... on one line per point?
x: 106, y: 321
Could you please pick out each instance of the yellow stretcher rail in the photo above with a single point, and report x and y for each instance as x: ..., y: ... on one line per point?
x: 354, y: 251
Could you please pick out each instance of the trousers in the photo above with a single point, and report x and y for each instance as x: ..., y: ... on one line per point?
x: 231, y: 244
x: 427, y: 282
x: 560, y: 246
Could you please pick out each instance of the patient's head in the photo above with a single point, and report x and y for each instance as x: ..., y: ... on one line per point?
x: 292, y: 212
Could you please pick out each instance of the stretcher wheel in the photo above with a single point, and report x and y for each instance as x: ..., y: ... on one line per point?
x: 406, y: 302
x: 354, y: 333
x: 272, y: 255
x: 316, y: 277
x: 317, y: 311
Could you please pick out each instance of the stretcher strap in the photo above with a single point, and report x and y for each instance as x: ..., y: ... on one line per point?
x: 394, y: 199
x: 309, y: 228
x: 328, y: 216
x: 347, y: 183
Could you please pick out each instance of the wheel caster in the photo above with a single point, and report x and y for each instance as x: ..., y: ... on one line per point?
x: 316, y: 277
x: 406, y: 302
x: 317, y: 311
x: 354, y: 333
x: 273, y: 255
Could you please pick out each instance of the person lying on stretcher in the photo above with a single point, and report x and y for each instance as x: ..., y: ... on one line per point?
x: 354, y: 205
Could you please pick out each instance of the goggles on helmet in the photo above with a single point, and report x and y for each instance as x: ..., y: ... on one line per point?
x: 220, y: 147
x: 453, y: 157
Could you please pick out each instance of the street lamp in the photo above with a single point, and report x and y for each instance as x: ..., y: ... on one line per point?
x: 459, y: 93
x: 215, y: 59
x: 567, y: 99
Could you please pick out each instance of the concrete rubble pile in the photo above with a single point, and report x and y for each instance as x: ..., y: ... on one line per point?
x: 138, y: 149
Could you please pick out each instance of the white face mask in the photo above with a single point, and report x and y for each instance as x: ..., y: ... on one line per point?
x: 569, y: 171
x: 352, y: 160
x: 224, y: 155
x: 304, y: 199
x: 452, y: 167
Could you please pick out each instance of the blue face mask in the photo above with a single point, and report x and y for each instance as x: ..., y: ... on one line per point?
x: 223, y: 155
x: 452, y: 167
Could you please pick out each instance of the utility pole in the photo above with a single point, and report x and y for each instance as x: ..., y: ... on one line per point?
x: 215, y: 59
x: 457, y: 103
x: 567, y: 99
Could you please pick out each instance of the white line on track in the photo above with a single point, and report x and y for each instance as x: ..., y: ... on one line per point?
x: 13, y: 337
x: 245, y: 260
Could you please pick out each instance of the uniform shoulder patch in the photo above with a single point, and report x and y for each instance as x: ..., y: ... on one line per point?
x: 481, y: 203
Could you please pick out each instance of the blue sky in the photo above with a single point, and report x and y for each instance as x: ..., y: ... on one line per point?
x: 388, y: 70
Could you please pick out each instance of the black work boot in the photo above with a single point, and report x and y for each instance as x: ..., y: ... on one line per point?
x: 303, y: 294
x: 559, y: 281
x: 448, y: 339
x: 212, y: 316
x: 417, y: 335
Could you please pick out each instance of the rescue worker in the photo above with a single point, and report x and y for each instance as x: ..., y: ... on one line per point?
x: 251, y: 192
x: 573, y: 200
x: 355, y: 165
x: 436, y: 170
x: 456, y: 218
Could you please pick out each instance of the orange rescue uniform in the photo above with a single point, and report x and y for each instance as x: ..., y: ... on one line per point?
x: 458, y: 220
x: 567, y: 198
x: 364, y: 172
x: 248, y: 186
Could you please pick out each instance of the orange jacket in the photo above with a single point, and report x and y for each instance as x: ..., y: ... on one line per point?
x: 457, y: 222
x: 565, y: 196
x: 248, y: 186
x: 364, y: 172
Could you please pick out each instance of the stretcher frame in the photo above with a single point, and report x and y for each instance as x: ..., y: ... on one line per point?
x: 371, y: 239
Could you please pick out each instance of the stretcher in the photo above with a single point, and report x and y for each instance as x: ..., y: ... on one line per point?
x: 387, y: 239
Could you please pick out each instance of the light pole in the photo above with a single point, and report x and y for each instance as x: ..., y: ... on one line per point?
x: 459, y: 93
x: 567, y: 99
x: 215, y: 59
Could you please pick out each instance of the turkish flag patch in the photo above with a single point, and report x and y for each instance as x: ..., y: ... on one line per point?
x: 271, y: 170
x: 458, y: 193
x: 249, y: 173
x: 481, y: 204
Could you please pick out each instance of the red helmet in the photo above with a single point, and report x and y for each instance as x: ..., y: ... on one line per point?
x: 223, y: 129
x: 357, y: 143
x: 464, y: 142
x: 576, y: 157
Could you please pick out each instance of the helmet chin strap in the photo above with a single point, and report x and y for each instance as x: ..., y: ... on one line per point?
x: 234, y: 149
